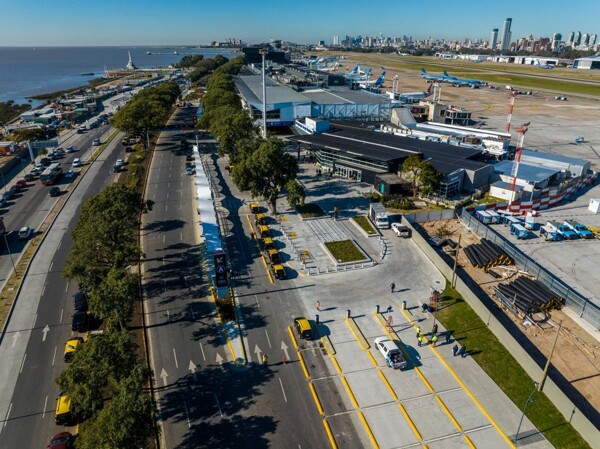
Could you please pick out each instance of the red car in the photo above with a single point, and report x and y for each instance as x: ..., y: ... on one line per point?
x: 21, y: 183
x: 63, y: 440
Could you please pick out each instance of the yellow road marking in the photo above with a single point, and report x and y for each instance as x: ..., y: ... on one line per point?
x: 368, y: 429
x: 330, y: 434
x: 349, y: 391
x: 347, y: 320
x: 304, y: 368
x: 410, y: 422
x: 387, y: 384
x: 293, y: 337
x: 316, y: 398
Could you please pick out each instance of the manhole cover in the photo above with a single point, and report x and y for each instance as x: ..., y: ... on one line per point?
x: 293, y: 235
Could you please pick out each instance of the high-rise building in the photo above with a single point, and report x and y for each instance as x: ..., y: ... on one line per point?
x: 577, y: 39
x: 585, y: 39
x: 593, y: 38
x: 556, y: 38
x: 494, y: 38
x: 506, y: 34
x: 571, y: 38
x: 336, y: 41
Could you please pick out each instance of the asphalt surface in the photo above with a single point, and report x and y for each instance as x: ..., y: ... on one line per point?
x: 204, y: 398
x: 32, y: 348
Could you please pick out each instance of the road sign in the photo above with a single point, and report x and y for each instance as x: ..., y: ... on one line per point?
x: 220, y: 260
x: 44, y: 144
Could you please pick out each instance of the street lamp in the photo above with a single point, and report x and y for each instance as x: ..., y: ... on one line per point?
x: 529, y: 400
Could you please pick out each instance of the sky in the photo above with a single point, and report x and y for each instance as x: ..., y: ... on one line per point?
x: 192, y: 22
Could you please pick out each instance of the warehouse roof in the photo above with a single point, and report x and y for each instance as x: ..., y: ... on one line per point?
x: 554, y: 157
x: 530, y: 173
x: 250, y: 86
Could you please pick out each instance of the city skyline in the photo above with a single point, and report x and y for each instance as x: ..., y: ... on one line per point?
x: 177, y: 22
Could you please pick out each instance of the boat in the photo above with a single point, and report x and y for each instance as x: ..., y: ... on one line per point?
x: 175, y: 53
x: 88, y: 74
x: 149, y: 53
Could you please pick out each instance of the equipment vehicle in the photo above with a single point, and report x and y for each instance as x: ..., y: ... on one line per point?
x: 581, y: 230
x: 268, y: 243
x: 261, y: 219
x: 378, y: 215
x: 393, y: 356
x: 519, y: 231
x: 51, y: 174
x: 302, y: 325
x: 549, y: 233
x: 401, y: 230
x: 563, y: 230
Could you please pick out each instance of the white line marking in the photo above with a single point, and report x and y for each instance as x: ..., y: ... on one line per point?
x: 166, y: 207
x: 175, y: 355
x: 282, y: 390
x: 257, y: 303
x: 202, y: 350
x: 168, y: 316
x: 58, y: 247
x: 168, y: 185
x: 51, y: 265
x: 7, y: 413
x: 268, y: 339
x: 192, y: 310
x: 187, y: 414
x: 67, y: 287
x: 154, y: 195
x: 45, y: 405
x: 54, y: 356
x: 164, y: 237
x: 181, y: 236
x: 43, y: 290
x: 61, y: 315
x: 23, y: 362
x: 34, y: 320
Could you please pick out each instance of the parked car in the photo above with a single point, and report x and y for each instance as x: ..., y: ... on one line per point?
x: 70, y: 347
x: 45, y: 161
x: 63, y: 440
x: 189, y: 171
x: 80, y: 302
x: 24, y: 233
x: 70, y: 174
x: 79, y: 322
x: 21, y: 183
x: 2, y: 202
x: 96, y: 142
x: 70, y: 149
x: 393, y: 356
x: 28, y: 177
x: 128, y: 149
x: 54, y: 191
x: 401, y: 230
x: 120, y: 163
x: 303, y: 328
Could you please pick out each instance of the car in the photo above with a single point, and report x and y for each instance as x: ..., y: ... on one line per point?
x: 70, y: 174
x: 391, y: 353
x: 63, y: 415
x: 189, y: 157
x: 63, y: 440
x: 25, y: 233
x: 120, y: 163
x: 79, y: 322
x: 33, y: 172
x: 45, y: 161
x: 401, y: 230
x: 128, y: 149
x: 40, y: 167
x: 303, y: 328
x: 96, y: 142
x: 254, y: 208
x: 189, y: 171
x: 2, y: 202
x: 59, y: 151
x: 54, y: 191
x: 70, y: 347
x: 21, y: 183
x: 70, y: 149
x: 28, y: 177
x: 117, y: 169
x: 80, y: 302
x: 190, y: 164
x: 76, y: 162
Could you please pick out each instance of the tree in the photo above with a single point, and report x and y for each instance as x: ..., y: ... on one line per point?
x: 422, y: 175
x: 296, y: 193
x: 266, y: 171
x: 112, y: 300
x: 231, y: 125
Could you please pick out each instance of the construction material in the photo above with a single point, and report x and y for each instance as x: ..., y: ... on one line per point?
x: 530, y: 297
x: 486, y: 254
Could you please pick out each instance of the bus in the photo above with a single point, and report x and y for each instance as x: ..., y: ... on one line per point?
x: 51, y: 174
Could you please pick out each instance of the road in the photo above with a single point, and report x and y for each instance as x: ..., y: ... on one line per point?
x: 32, y: 347
x: 204, y: 398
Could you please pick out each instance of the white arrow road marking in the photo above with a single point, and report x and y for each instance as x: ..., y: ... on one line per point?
x: 192, y: 368
x: 202, y: 350
x: 284, y: 348
x: 45, y: 332
x: 16, y: 336
x: 258, y: 352
x: 163, y: 376
x: 220, y: 361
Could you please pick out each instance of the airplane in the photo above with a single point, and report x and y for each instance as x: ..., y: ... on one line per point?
x: 461, y: 81
x: 545, y: 66
x: 333, y: 68
x: 409, y: 97
x: 376, y: 83
x: 358, y: 75
x: 429, y: 77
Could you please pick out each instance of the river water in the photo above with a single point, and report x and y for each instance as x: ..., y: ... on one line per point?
x: 28, y: 71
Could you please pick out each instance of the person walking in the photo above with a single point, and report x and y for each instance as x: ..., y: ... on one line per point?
x: 462, y: 351
x: 448, y: 337
x: 434, y: 329
x: 265, y: 359
x: 392, y: 286
x: 319, y: 306
x: 454, y: 350
x: 434, y: 340
x: 420, y: 340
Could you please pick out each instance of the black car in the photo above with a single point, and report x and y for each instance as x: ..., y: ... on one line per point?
x: 189, y: 157
x: 54, y: 191
x: 79, y: 322
x: 45, y: 161
x: 80, y: 302
x: 128, y: 150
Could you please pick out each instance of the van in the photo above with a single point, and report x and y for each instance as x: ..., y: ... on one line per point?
x: 63, y: 415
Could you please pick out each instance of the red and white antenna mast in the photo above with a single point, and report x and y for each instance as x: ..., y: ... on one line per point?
x: 510, y: 110
x: 515, y: 168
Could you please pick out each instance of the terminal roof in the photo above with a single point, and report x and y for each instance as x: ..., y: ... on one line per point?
x: 530, y: 173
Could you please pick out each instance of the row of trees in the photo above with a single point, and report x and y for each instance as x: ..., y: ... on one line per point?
x: 202, y: 68
x: 148, y: 109
x: 106, y: 367
x: 262, y: 166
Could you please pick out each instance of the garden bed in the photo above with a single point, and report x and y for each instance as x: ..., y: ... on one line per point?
x: 345, y: 251
x: 365, y: 224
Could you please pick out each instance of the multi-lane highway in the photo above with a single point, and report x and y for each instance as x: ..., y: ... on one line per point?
x: 204, y: 398
x: 32, y: 346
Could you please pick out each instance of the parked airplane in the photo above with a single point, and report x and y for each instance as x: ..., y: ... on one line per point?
x: 376, y: 83
x: 359, y: 75
x: 429, y: 77
x: 410, y: 97
x: 462, y: 81
x: 328, y: 69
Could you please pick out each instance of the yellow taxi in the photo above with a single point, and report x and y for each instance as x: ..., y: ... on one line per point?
x: 254, y: 208
x: 71, y: 346
x: 63, y: 415
x: 303, y: 328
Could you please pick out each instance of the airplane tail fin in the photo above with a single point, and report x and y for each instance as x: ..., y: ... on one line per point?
x: 429, y: 89
x: 446, y: 73
x: 423, y: 72
x: 354, y: 70
x: 381, y: 79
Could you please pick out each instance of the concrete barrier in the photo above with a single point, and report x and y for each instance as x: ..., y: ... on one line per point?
x: 506, y: 331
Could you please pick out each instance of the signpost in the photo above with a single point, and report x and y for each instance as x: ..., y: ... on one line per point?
x: 220, y: 260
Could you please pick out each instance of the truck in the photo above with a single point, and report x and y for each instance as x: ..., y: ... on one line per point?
x: 563, y: 230
x: 581, y: 230
x: 379, y: 216
x: 390, y: 352
x: 549, y: 232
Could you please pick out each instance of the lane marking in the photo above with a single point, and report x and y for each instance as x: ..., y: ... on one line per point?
x: 34, y: 320
x: 43, y: 290
x: 58, y: 247
x: 45, y: 405
x: 23, y: 363
x: 187, y: 414
x: 257, y: 303
x: 61, y: 315
x: 54, y: 356
x: 268, y: 339
x: 67, y: 287
x: 175, y: 355
x: 282, y: 390
x: 202, y: 351
x: 50, y: 269
x: 7, y: 414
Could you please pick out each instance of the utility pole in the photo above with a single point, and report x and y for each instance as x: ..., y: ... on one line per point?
x: 263, y: 52
x: 545, y: 375
x: 453, y: 283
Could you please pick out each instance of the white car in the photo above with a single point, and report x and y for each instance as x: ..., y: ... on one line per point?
x: 24, y: 233
x: 401, y: 230
x: 120, y: 162
x: 392, y: 355
x: 96, y: 142
x: 189, y: 170
x: 76, y: 162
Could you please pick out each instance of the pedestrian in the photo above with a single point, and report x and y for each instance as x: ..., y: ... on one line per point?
x: 424, y: 307
x: 434, y: 340
x: 419, y: 330
x: 319, y: 306
x: 448, y: 337
x: 462, y: 351
x: 454, y: 350
x: 434, y: 329
x: 420, y: 339
x: 393, y: 286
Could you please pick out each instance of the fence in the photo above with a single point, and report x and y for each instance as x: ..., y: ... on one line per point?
x: 434, y: 215
x: 586, y: 309
x: 571, y: 404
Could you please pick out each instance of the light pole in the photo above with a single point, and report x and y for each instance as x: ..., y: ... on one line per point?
x: 529, y: 399
x: 263, y: 53
x: 4, y: 234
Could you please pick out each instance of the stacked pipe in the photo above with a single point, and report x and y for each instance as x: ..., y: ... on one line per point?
x: 529, y: 295
x: 486, y: 254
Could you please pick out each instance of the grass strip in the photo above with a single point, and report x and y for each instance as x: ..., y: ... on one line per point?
x: 457, y: 316
x: 344, y: 251
x: 364, y: 223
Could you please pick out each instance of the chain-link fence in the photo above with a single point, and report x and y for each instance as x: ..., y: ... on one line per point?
x: 574, y: 300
